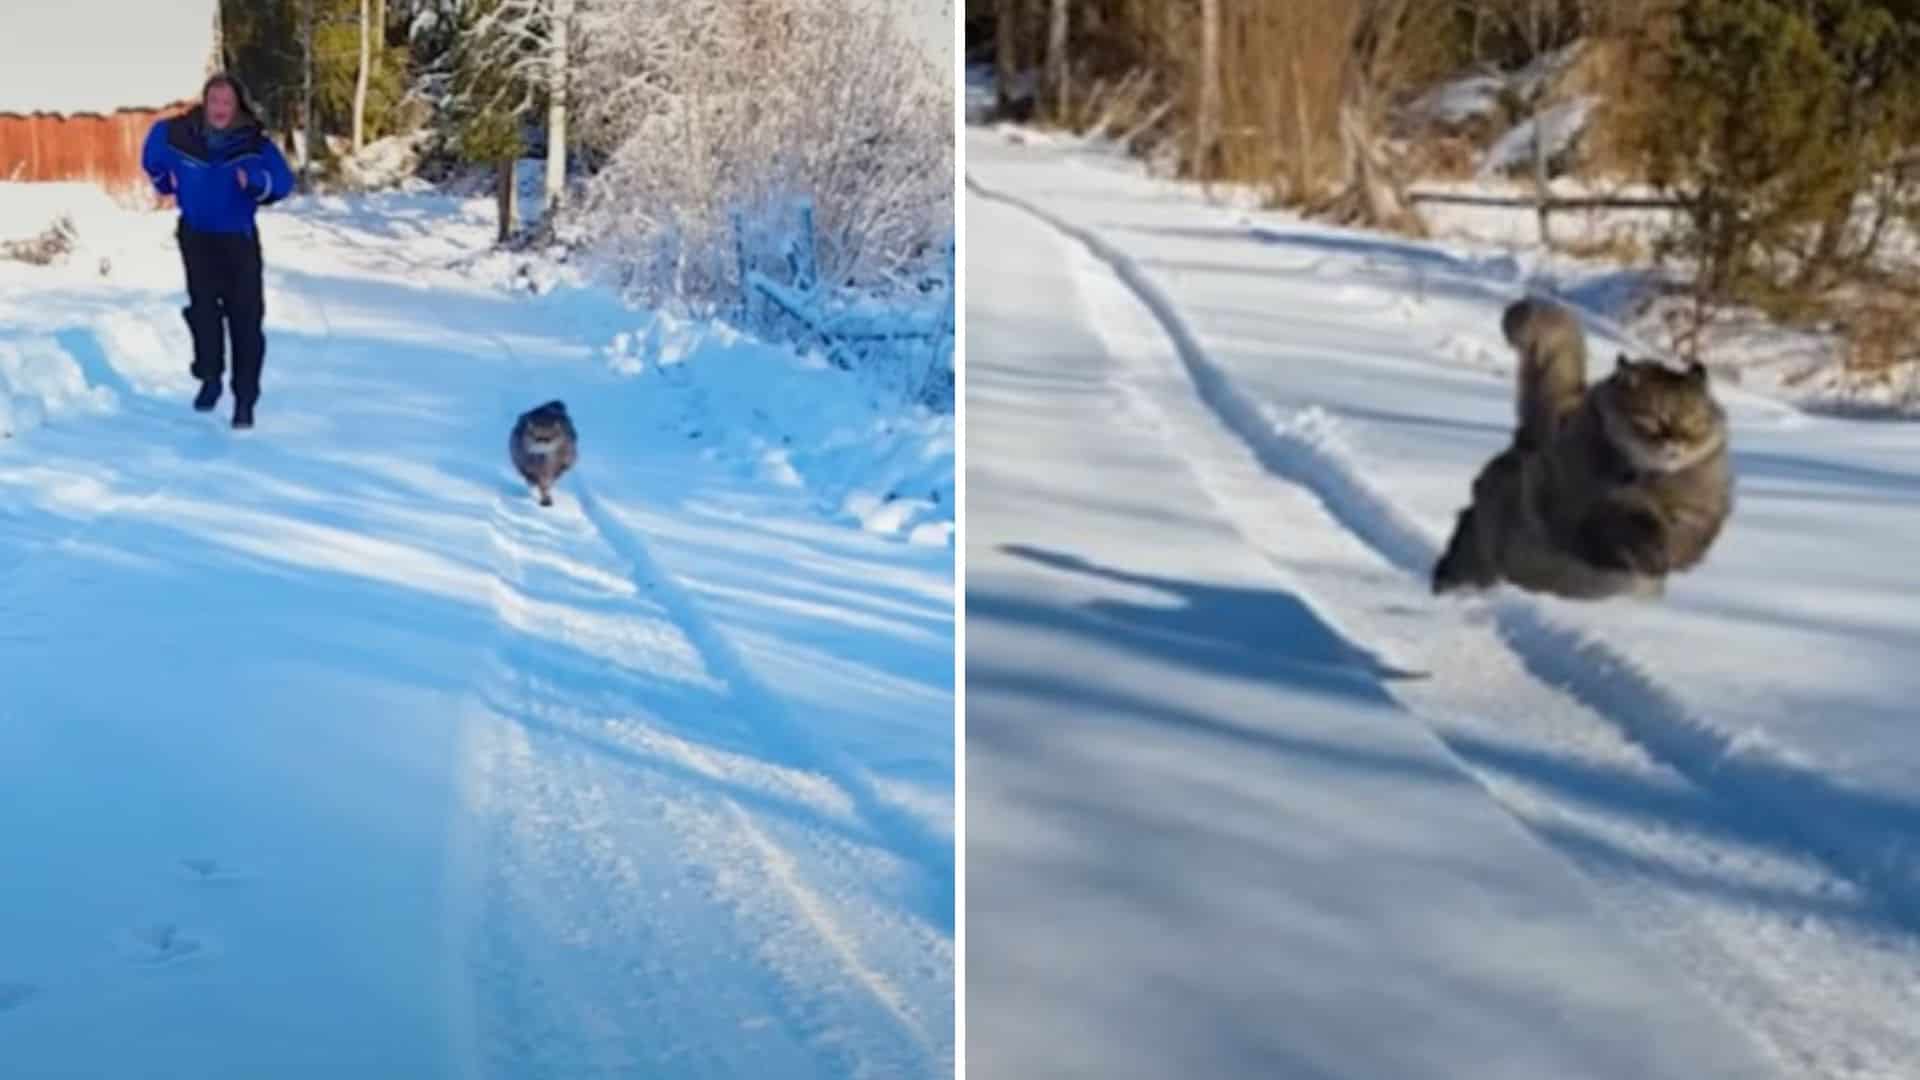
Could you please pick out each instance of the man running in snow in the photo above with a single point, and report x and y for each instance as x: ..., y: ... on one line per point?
x: 221, y: 167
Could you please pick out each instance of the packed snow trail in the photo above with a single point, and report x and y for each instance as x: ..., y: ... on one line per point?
x: 332, y: 753
x: 1201, y: 838
x: 1332, y: 392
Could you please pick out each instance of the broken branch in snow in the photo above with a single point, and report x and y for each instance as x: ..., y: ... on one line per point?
x: 56, y: 242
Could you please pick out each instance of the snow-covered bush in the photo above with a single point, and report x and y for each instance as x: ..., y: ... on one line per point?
x: 708, y: 111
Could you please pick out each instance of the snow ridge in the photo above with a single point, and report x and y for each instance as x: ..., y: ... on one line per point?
x: 898, y: 830
x: 1861, y: 836
x: 85, y: 353
x: 687, y: 876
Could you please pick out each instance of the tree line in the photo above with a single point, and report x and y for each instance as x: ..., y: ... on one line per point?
x: 1785, y: 130
x: 668, y: 127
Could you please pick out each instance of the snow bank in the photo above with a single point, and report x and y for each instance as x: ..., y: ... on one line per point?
x: 1539, y: 76
x: 38, y: 380
x: 108, y: 239
x: 148, y: 349
x: 101, y: 319
x: 1559, y: 128
x: 384, y: 163
x: 100, y: 56
x: 797, y: 421
x: 1457, y: 101
x: 26, y: 209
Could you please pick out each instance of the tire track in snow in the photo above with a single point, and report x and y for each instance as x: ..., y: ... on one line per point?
x: 569, y: 974
x: 1867, y: 838
x: 898, y: 829
x: 572, y: 838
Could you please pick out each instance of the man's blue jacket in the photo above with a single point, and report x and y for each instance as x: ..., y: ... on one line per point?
x: 184, y: 158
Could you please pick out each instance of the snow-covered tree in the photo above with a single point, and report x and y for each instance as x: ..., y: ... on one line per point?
x: 559, y: 39
x: 530, y: 43
x: 482, y: 102
x: 360, y: 80
x: 711, y: 110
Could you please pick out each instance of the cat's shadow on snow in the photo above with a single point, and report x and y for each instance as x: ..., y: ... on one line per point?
x: 1221, y: 627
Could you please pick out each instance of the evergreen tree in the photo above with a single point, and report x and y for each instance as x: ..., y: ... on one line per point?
x: 483, y: 110
x: 1781, y: 120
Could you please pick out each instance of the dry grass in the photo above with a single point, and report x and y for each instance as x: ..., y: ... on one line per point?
x: 1618, y: 71
x: 1444, y: 157
x: 1882, y: 334
x: 1136, y: 68
x: 1278, y: 123
x: 1280, y: 63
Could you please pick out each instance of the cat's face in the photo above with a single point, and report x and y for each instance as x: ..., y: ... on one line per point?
x: 1663, y: 419
x: 544, y: 429
x: 544, y: 436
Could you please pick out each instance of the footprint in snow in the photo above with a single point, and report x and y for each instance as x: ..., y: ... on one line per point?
x: 15, y: 994
x: 161, y: 944
x: 210, y: 872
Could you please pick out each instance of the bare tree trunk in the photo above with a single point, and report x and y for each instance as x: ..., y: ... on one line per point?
x: 503, y: 193
x: 1057, y: 91
x: 1537, y: 44
x: 360, y: 83
x: 1541, y: 192
x: 1207, y: 129
x: 1303, y: 153
x: 1006, y: 62
x: 1304, y: 143
x: 306, y: 90
x: 557, y: 59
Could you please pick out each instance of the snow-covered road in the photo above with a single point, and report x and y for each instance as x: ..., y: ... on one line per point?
x: 327, y: 752
x: 1209, y: 450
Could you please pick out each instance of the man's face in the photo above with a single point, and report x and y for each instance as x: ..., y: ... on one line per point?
x: 222, y: 104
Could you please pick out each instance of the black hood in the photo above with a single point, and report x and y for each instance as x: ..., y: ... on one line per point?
x: 248, y: 116
x: 189, y: 133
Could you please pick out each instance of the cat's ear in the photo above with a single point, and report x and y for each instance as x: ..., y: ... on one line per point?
x: 1697, y: 373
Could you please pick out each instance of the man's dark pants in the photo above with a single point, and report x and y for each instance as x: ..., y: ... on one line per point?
x: 224, y: 284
